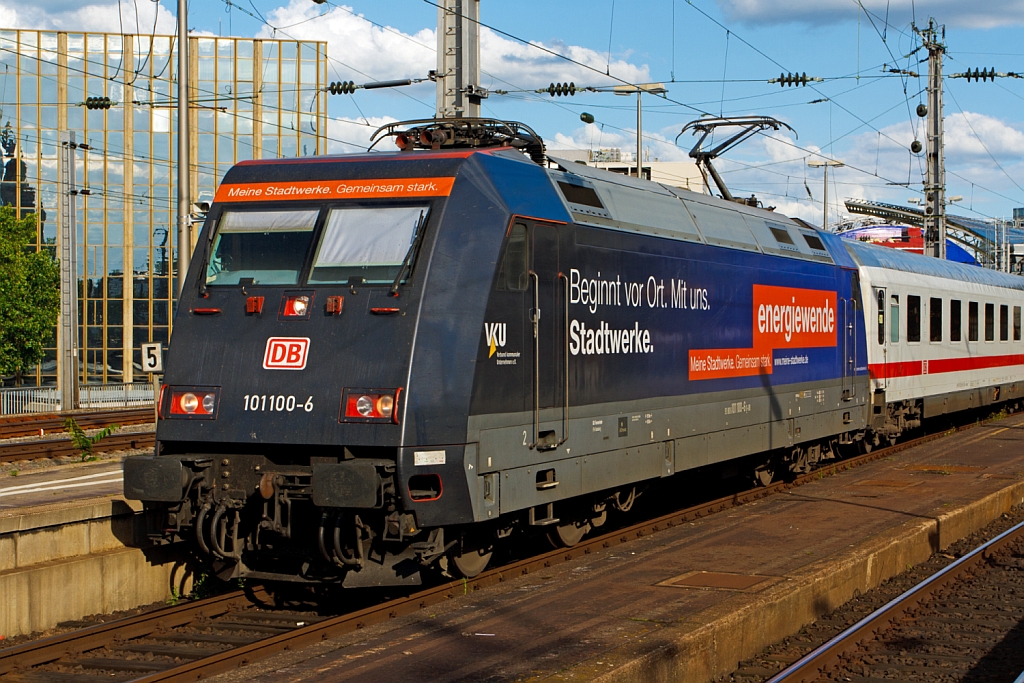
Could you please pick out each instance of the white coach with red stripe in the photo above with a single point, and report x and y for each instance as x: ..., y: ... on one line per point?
x: 943, y: 335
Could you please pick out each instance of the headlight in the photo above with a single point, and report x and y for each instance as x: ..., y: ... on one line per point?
x: 370, y: 405
x: 364, y: 406
x: 189, y: 402
x: 385, y: 404
x: 296, y: 306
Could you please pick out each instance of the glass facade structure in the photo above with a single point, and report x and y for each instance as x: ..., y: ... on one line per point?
x: 248, y: 99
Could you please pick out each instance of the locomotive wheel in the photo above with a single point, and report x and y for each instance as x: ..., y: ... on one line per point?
x: 568, y: 535
x: 469, y: 563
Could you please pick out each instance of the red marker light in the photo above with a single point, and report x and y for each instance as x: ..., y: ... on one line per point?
x: 335, y: 305
x: 198, y: 403
x: 374, y: 405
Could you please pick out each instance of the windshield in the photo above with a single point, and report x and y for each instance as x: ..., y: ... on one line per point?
x: 267, y: 246
x: 366, y: 243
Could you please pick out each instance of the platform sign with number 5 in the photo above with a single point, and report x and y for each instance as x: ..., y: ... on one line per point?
x: 153, y: 358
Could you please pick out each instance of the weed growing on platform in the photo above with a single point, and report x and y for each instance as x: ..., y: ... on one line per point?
x: 83, y: 441
x: 13, y: 473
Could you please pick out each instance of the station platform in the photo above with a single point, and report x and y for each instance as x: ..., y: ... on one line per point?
x: 690, y: 602
x: 71, y: 546
x: 62, y: 484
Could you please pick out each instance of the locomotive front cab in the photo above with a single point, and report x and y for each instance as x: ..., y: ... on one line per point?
x: 281, y: 412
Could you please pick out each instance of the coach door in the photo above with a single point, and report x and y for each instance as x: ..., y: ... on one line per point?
x: 547, y: 316
x: 850, y: 309
x: 888, y: 332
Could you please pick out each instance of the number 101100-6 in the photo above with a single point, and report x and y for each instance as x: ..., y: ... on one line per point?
x: 277, y: 404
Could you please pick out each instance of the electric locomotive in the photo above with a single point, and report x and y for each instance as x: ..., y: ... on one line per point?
x: 385, y: 362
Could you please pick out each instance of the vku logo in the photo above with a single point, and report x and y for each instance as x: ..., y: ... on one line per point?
x: 494, y: 335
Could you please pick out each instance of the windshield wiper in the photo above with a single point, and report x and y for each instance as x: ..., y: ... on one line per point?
x: 410, y: 255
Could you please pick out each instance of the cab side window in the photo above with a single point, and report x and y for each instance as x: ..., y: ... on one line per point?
x: 512, y: 276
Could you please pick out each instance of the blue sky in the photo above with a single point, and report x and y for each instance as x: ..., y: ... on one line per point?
x: 720, y: 53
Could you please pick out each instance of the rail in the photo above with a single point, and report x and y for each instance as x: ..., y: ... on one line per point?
x: 28, y: 400
x: 816, y: 663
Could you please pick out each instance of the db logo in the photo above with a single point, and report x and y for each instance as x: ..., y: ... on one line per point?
x: 286, y: 353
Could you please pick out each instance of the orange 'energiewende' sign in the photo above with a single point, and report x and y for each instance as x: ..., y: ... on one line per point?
x: 336, y: 189
x: 784, y: 318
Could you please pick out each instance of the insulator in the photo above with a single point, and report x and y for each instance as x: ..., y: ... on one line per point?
x: 97, y: 103
x: 562, y: 89
x: 922, y: 110
x: 341, y: 88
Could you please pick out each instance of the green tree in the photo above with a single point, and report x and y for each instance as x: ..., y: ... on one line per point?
x: 29, y: 294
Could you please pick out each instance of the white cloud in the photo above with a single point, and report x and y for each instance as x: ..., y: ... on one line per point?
x: 387, y: 53
x: 68, y: 15
x: 590, y: 136
x: 345, y: 135
x: 990, y: 14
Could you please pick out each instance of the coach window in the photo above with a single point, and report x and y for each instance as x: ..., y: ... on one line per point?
x: 935, y: 316
x: 1016, y: 323
x: 990, y: 322
x: 894, y: 318
x: 1004, y: 323
x: 972, y: 321
x: 512, y: 276
x: 955, y: 320
x: 881, y: 317
x: 913, y: 318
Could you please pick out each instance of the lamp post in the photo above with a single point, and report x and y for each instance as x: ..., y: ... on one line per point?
x: 640, y: 89
x: 184, y: 204
x: 816, y: 163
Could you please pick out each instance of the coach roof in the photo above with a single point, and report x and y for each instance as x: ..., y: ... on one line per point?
x: 875, y: 256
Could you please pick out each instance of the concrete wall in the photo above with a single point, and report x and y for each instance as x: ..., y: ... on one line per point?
x: 89, y: 557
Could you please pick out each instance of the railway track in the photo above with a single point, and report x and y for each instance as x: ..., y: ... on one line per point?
x: 963, y: 623
x: 199, y: 639
x: 52, y: 448
x: 37, y: 425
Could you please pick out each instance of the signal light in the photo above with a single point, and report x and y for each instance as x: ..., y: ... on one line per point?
x: 562, y: 89
x: 97, y: 103
x: 370, y: 405
x: 341, y: 87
